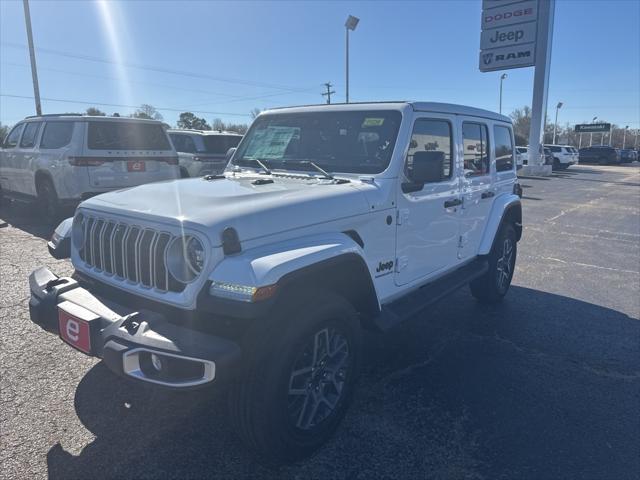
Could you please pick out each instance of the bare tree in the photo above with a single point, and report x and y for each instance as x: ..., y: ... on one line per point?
x: 95, y: 112
x: 147, y: 111
x: 254, y: 113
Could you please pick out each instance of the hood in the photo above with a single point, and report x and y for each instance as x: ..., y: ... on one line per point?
x: 254, y: 210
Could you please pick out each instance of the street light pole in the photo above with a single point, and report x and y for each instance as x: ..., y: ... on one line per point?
x: 624, y: 136
x: 591, y: 134
x: 502, y: 77
x: 32, y: 56
x: 350, y: 24
x: 558, y: 107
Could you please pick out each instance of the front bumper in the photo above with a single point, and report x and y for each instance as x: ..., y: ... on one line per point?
x: 134, y: 343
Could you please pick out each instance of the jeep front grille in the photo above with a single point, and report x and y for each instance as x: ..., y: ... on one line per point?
x: 128, y: 252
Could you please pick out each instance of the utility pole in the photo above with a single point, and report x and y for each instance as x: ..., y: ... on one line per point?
x: 635, y: 143
x: 591, y: 134
x: 624, y: 136
x: 328, y: 93
x: 32, y: 55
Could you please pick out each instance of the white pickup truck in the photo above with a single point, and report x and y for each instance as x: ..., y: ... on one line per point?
x: 328, y: 220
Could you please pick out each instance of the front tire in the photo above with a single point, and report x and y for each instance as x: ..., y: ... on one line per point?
x: 300, y: 379
x: 494, y: 284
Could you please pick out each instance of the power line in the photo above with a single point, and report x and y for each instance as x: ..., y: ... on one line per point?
x: 236, y: 98
x: 154, y: 68
x: 102, y: 104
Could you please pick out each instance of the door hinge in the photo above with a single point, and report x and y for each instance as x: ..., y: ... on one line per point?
x: 402, y: 216
x: 401, y: 263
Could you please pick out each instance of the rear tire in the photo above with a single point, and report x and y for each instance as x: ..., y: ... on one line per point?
x: 494, y: 284
x: 48, y: 204
x: 299, y: 380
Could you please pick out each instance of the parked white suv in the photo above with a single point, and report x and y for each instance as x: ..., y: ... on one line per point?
x: 203, y: 152
x: 563, y: 156
x: 522, y: 156
x: 63, y: 159
x: 328, y: 220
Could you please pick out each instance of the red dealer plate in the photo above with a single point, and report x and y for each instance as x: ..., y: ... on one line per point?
x: 74, y: 331
x: 136, y: 166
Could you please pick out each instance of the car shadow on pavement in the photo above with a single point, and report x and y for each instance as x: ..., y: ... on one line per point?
x: 25, y: 217
x: 541, y: 386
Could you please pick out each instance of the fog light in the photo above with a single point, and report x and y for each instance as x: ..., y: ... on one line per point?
x: 156, y: 362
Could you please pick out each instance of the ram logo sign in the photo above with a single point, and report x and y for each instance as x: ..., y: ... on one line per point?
x: 508, y: 57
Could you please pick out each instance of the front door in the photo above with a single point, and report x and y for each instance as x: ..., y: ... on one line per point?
x: 427, y: 230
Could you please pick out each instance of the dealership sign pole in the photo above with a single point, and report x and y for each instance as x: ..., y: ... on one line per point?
x: 517, y: 34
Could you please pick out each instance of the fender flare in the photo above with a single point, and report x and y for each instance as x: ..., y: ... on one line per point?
x: 506, y: 207
x: 42, y: 174
x: 331, y: 260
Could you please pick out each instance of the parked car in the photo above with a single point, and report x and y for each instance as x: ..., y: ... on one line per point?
x: 60, y: 160
x: 548, y: 156
x: 327, y: 221
x: 203, y: 152
x: 522, y: 156
x: 601, y: 154
x: 563, y: 156
x: 627, y: 155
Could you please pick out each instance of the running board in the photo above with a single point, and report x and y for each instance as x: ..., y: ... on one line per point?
x: 416, y: 301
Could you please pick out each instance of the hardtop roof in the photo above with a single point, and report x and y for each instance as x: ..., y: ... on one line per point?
x: 436, y: 107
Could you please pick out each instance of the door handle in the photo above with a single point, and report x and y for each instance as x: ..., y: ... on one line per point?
x: 452, y: 203
x: 487, y: 194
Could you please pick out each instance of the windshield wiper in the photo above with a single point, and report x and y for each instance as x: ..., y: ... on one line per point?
x: 324, y: 173
x: 266, y: 169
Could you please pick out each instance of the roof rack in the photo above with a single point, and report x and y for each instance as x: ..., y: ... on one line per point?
x: 57, y: 115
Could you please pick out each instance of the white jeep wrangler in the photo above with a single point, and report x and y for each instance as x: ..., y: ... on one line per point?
x: 328, y: 220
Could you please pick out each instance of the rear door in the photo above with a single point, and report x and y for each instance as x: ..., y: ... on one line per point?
x: 477, y: 189
x: 125, y: 153
x: 427, y: 230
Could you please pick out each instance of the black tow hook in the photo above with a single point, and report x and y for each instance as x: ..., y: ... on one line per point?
x: 56, y: 281
x: 130, y: 323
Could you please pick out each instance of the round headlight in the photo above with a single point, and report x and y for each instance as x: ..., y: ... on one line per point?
x: 185, y: 258
x: 77, y: 231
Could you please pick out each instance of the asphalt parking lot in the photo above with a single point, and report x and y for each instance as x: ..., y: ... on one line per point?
x: 544, y: 386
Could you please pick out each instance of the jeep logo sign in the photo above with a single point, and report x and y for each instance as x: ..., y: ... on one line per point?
x: 508, y: 38
x: 507, y: 57
x: 505, y: 36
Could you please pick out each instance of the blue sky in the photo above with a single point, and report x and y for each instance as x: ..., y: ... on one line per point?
x: 222, y: 59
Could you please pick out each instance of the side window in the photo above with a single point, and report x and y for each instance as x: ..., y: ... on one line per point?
x: 432, y: 135
x: 183, y: 143
x: 504, y: 148
x: 30, y: 135
x: 476, y: 149
x: 12, y: 139
x: 56, y: 134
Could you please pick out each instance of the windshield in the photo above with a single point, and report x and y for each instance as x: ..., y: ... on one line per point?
x: 348, y: 142
x: 219, y: 143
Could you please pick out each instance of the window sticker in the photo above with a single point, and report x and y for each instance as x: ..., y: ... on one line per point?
x: 271, y: 142
x: 373, y: 122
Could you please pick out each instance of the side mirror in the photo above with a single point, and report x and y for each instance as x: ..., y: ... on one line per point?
x: 427, y: 167
x: 230, y: 153
x: 60, y: 244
